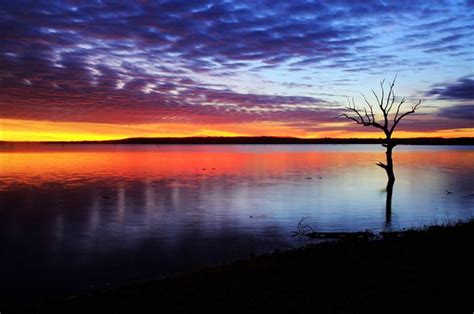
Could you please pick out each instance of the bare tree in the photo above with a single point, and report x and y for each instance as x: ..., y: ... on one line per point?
x: 390, y: 121
x: 387, y: 122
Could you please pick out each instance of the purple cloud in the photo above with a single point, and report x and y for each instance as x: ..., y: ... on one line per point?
x: 141, y: 62
x: 462, y: 112
x: 462, y: 89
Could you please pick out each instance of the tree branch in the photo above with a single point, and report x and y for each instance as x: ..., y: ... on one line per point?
x: 390, y: 94
x: 353, y: 109
x: 370, y: 106
x: 398, y: 109
x: 366, y: 116
x: 398, y: 119
x: 352, y: 118
x: 376, y: 97
x: 391, y: 103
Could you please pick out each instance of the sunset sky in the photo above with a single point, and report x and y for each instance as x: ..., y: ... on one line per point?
x: 86, y: 70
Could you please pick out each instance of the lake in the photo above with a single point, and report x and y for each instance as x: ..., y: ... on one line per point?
x: 76, y: 217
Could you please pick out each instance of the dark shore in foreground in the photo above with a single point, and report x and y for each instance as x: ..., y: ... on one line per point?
x: 429, y: 270
x: 266, y: 140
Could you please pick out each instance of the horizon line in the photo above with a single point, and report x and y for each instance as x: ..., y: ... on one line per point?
x: 273, y: 139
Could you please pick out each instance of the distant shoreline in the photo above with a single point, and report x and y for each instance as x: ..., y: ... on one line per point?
x: 259, y: 140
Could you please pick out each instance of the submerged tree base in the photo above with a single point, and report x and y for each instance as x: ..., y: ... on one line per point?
x: 426, y: 270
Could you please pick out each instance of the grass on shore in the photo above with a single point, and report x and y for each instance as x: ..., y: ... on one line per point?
x: 427, y: 270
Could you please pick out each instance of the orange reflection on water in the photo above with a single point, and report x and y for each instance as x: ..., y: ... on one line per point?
x: 36, y: 167
x: 65, y: 165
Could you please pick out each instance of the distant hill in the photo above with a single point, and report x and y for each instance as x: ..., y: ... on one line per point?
x: 273, y: 140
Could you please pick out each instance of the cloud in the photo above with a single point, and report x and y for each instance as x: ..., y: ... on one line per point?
x: 463, y: 112
x: 462, y: 89
x: 156, y: 61
x: 74, y: 93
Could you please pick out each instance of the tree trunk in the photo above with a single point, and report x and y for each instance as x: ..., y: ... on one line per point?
x: 388, y: 204
x: 390, y: 182
x: 389, y: 168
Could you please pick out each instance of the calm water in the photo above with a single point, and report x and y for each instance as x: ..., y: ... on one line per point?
x: 78, y: 217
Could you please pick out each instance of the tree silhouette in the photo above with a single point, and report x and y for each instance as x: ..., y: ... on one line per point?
x: 388, y: 123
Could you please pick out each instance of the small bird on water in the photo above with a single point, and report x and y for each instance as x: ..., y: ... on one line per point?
x: 448, y: 192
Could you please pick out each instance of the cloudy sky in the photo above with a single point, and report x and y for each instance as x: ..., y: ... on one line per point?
x: 111, y: 69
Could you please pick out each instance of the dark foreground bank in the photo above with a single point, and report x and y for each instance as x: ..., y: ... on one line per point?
x: 429, y: 271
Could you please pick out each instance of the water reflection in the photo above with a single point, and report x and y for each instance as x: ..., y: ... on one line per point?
x: 87, y: 215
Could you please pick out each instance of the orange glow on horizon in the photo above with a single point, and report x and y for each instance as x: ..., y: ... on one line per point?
x: 26, y: 130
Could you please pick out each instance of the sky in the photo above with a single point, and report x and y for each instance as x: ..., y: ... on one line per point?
x: 96, y: 70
